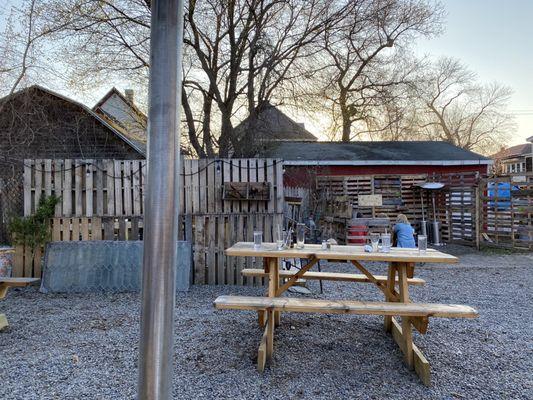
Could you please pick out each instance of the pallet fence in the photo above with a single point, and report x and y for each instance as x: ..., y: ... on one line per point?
x: 505, y: 211
x: 103, y: 200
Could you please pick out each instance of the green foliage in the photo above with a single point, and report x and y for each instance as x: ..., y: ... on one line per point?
x: 33, y: 231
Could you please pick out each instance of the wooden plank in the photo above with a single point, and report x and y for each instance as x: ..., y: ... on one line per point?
x: 331, y: 276
x: 28, y: 262
x: 236, y: 206
x: 96, y: 225
x: 195, y: 186
x: 99, y: 185
x: 210, y: 250
x: 18, y: 282
x: 38, y: 180
x: 198, y: 248
x: 119, y: 210
x: 85, y: 228
x: 89, y: 193
x: 305, y: 305
x: 421, y: 364
x: 222, y: 205
x: 4, y: 324
x: 221, y: 241
x: 391, y: 283
x: 212, y: 170
x: 202, y: 185
x: 262, y: 352
x: 340, y: 252
x: 136, y: 189
x: 18, y: 262
x: 407, y: 332
x: 187, y: 182
x: 56, y: 229
x: 48, y: 177
x: 110, y: 187
x: 67, y: 188
x: 128, y: 202
x: 37, y: 265
x: 78, y: 188
x: 27, y: 187
x: 66, y: 230
x: 75, y: 229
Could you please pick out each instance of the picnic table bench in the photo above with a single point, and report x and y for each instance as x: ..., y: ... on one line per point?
x: 395, y: 287
x: 5, y: 284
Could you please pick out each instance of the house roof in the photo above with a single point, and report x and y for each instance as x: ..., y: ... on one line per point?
x: 139, y: 147
x: 274, y: 125
x: 372, y: 153
x: 513, y: 151
x: 137, y: 112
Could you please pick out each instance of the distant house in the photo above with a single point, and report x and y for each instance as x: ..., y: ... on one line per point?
x: 514, y: 159
x: 372, y: 158
x: 270, y: 126
x: 36, y: 122
x: 120, y: 110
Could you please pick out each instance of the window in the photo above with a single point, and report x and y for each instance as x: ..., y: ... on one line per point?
x: 529, y: 164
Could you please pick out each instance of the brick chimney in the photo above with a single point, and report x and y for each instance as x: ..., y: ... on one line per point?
x: 129, y: 95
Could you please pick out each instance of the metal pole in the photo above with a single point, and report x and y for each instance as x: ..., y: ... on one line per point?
x: 160, y: 229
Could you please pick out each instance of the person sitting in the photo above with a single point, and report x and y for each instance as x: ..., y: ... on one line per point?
x: 404, y: 232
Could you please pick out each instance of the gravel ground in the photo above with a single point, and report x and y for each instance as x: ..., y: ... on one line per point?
x: 85, y: 346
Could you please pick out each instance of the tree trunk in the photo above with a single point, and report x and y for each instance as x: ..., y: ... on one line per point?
x: 226, y: 140
x: 346, y: 119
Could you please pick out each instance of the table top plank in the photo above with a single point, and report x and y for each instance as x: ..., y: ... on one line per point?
x: 340, y: 252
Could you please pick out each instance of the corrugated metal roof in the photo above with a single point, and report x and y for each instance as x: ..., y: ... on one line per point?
x: 382, y: 152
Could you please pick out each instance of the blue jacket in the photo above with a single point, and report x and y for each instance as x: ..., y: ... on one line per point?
x: 404, y: 234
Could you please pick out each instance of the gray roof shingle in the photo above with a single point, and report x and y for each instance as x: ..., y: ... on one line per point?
x: 382, y: 152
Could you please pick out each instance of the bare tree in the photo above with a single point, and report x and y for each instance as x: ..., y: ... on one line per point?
x: 18, y: 44
x: 363, y: 63
x: 238, y: 54
x: 458, y: 109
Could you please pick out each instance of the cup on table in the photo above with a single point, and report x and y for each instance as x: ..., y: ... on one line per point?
x: 258, y: 239
x: 300, y: 235
x: 281, y: 240
x: 374, y: 240
x: 422, y: 243
x: 385, y: 242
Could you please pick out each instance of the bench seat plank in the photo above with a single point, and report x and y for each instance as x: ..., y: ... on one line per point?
x: 328, y: 276
x: 287, y: 304
x: 18, y: 282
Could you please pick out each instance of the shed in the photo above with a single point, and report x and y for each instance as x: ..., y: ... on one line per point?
x: 304, y: 159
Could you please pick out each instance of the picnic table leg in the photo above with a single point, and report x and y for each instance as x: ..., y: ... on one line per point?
x: 391, y: 278
x: 261, y: 314
x: 407, y: 331
x: 3, y: 321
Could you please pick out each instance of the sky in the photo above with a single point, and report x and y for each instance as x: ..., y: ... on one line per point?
x: 494, y: 38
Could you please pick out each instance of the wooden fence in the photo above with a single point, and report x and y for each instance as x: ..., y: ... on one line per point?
x: 505, y: 211
x: 116, y: 187
x: 103, y: 200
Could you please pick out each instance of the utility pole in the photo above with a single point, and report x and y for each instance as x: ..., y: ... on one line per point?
x: 161, y: 202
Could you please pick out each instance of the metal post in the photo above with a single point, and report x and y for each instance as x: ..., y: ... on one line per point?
x: 160, y: 229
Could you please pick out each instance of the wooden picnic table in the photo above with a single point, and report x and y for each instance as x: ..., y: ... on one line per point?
x: 400, y: 265
x: 5, y: 284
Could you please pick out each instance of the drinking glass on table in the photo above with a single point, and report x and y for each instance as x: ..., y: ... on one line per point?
x: 258, y: 239
x: 300, y: 235
x: 385, y: 242
x: 422, y: 243
x: 374, y: 240
x: 281, y: 239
